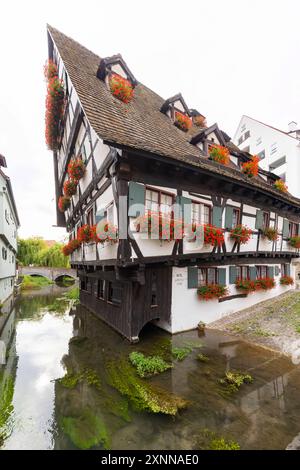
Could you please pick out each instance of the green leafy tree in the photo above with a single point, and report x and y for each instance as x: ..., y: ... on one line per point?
x: 35, y: 251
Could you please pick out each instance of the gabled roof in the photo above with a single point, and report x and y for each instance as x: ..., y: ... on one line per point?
x: 138, y: 125
x: 204, y: 133
x: 267, y: 125
x: 164, y: 108
x: 115, y: 59
x: 3, y: 161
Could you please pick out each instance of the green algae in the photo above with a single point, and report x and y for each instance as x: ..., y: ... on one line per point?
x: 146, y: 366
x: 86, y: 431
x: 71, y: 380
x: 181, y: 353
x: 142, y: 395
x: 222, y: 444
x: 209, y: 440
x: 6, y: 406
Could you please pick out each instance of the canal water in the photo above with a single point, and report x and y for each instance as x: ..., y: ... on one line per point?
x: 68, y: 384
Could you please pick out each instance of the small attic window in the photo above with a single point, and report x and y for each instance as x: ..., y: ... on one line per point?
x: 118, y: 77
x: 178, y: 111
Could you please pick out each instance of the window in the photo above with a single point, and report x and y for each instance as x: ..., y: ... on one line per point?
x: 207, y: 276
x: 247, y: 135
x: 243, y: 272
x: 6, y: 216
x: 266, y: 219
x: 281, y: 161
x: 154, y: 302
x: 88, y: 285
x: 240, y: 140
x: 114, y: 294
x: 4, y: 253
x: 100, y: 289
x: 262, y: 155
x: 274, y: 148
x: 293, y: 229
x: 201, y: 213
x: 258, y: 141
x: 90, y: 217
x: 236, y: 217
x: 283, y: 177
x: 83, y: 285
x: 285, y: 269
x: 261, y: 271
x: 158, y: 201
x: 110, y: 214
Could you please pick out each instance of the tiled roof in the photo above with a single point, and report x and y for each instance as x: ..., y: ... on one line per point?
x: 139, y: 124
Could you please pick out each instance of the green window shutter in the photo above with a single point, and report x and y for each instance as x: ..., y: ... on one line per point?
x: 259, y: 222
x: 177, y: 208
x: 222, y: 276
x: 288, y: 269
x: 136, y: 205
x: 186, y: 205
x: 232, y: 274
x: 252, y: 271
x: 192, y: 277
x: 271, y: 271
x: 217, y: 216
x: 276, y: 270
x: 228, y: 217
x: 286, y: 228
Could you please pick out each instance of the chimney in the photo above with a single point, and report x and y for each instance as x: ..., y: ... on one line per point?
x: 292, y: 126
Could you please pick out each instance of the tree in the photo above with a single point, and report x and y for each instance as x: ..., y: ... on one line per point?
x: 35, y: 251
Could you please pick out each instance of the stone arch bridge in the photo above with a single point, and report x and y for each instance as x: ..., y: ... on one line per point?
x: 50, y: 273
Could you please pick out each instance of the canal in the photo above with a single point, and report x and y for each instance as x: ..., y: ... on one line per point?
x: 68, y: 383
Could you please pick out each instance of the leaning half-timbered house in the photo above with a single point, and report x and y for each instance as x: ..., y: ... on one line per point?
x: 127, y: 161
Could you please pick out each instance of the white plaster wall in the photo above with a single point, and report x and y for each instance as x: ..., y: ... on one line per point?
x: 100, y: 152
x: 87, y: 178
x: 6, y: 289
x: 188, y: 310
x: 261, y: 138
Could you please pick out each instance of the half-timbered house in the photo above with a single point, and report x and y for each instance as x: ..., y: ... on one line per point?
x: 147, y: 156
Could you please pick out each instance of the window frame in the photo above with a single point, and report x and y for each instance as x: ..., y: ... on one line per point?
x: 293, y: 229
x: 160, y: 192
x: 209, y: 211
x: 241, y: 275
x: 205, y: 272
x: 259, y: 269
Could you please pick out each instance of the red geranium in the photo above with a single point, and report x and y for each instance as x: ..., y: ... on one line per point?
x: 250, y: 168
x: 70, y: 187
x: 121, y: 88
x: 162, y: 227
x: 55, y: 103
x: 86, y: 233
x: 281, y: 186
x: 76, y: 169
x: 182, y: 121
x: 241, y: 234
x: 50, y: 69
x: 213, y: 236
x: 286, y: 281
x: 212, y: 291
x: 64, y: 203
x: 70, y: 247
x: 109, y: 233
x: 295, y: 241
x: 219, y: 154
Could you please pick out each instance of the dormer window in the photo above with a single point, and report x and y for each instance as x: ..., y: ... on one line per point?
x: 178, y: 112
x: 118, y: 77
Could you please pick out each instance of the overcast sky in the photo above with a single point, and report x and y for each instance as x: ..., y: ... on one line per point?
x: 227, y: 58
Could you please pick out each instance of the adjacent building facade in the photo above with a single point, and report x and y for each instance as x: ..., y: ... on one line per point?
x: 9, y: 223
x: 139, y: 164
x: 279, y: 151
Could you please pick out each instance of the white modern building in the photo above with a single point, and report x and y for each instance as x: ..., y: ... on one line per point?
x: 278, y: 150
x: 9, y: 223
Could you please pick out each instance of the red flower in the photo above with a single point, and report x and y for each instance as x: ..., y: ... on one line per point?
x: 121, y: 88
x: 286, y: 281
x: 86, y: 234
x: 64, y: 203
x: 241, y: 234
x: 55, y: 104
x: 250, y: 168
x: 213, y: 236
x: 212, y: 291
x: 70, y: 247
x: 159, y: 226
x: 295, y: 241
x: 76, y: 169
x: 182, y: 121
x: 219, y: 154
x: 70, y: 187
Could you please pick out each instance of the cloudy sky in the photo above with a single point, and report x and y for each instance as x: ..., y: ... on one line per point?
x: 227, y: 58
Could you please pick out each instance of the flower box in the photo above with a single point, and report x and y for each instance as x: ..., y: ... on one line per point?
x: 70, y: 187
x: 64, y: 203
x: 160, y: 227
x: 182, y: 121
x: 270, y: 233
x: 121, y: 88
x: 70, y: 247
x: 295, y: 242
x: 86, y: 234
x: 250, y: 168
x: 280, y: 186
x: 286, y: 281
x: 109, y: 233
x: 50, y: 70
x: 213, y: 236
x: 76, y: 169
x: 55, y: 104
x: 211, y: 291
x: 219, y: 154
x: 241, y: 234
x: 247, y: 285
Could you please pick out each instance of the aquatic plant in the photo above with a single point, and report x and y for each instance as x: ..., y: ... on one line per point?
x: 142, y: 395
x: 202, y: 358
x: 234, y: 380
x: 71, y: 380
x: 181, y: 353
x: 147, y: 366
x: 34, y: 282
x: 222, y: 444
x: 72, y: 294
x: 86, y: 431
x: 6, y: 405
